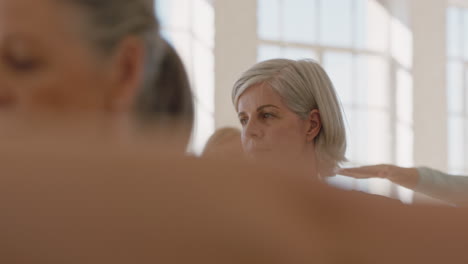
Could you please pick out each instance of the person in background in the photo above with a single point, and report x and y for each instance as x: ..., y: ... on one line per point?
x: 224, y: 142
x: 289, y: 110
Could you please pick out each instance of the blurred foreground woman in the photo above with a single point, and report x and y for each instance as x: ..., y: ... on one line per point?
x: 121, y: 205
x: 90, y: 58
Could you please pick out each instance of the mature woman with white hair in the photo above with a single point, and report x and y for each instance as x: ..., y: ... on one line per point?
x: 290, y: 109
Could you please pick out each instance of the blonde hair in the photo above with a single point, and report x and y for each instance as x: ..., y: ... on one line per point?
x: 304, y: 86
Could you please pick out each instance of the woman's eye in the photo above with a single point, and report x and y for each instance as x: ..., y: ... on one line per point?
x: 267, y: 115
x: 21, y: 64
x: 243, y: 121
x: 19, y: 57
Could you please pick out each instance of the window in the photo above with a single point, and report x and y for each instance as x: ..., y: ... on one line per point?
x: 189, y: 26
x: 457, y: 81
x: 368, y: 54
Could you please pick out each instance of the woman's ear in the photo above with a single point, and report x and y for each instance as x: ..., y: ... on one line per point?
x: 127, y: 74
x: 314, y: 125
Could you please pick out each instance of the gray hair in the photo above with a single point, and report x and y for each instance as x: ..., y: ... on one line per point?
x: 304, y: 86
x: 109, y: 21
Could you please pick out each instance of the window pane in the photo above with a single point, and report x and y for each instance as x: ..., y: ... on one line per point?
x: 269, y: 19
x: 372, y: 78
x: 266, y: 52
x: 402, y: 43
x: 297, y: 54
x: 453, y: 32
x: 361, y: 132
x: 203, y: 22
x: 204, y: 76
x: 455, y: 87
x: 465, y: 33
x: 371, y: 134
x: 203, y: 129
x: 339, y: 67
x: 174, y: 14
x: 372, y: 25
x: 335, y: 26
x: 456, y: 142
x: 351, y: 136
x: 299, y: 18
x: 466, y: 95
x: 379, y: 138
x: 404, y: 97
x: 404, y: 145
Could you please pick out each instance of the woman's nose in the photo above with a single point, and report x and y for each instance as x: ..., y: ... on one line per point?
x: 253, y: 130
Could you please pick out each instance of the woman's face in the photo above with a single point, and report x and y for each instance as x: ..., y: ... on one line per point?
x: 46, y: 62
x: 270, y: 128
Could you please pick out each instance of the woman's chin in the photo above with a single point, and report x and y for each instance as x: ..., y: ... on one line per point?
x: 265, y: 155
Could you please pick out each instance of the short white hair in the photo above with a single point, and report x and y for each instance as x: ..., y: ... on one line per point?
x: 305, y: 86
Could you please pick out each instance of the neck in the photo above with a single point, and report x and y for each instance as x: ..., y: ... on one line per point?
x: 308, y: 160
